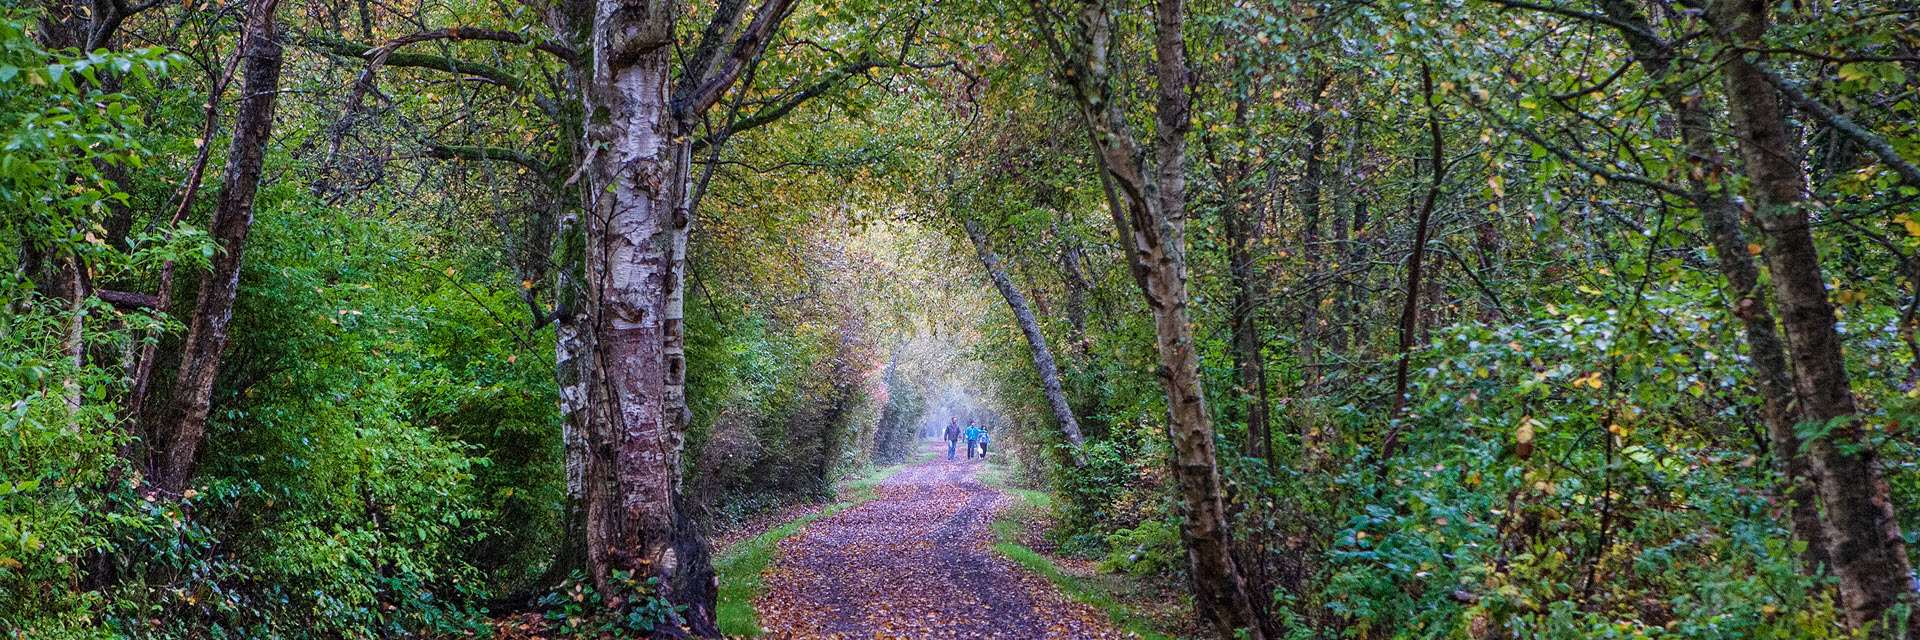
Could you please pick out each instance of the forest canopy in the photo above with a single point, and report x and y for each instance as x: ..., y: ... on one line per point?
x: 1292, y: 319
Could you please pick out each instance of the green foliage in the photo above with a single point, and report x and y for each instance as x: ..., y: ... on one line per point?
x: 1007, y: 529
x: 1149, y: 548
x: 1466, y: 531
x: 578, y: 610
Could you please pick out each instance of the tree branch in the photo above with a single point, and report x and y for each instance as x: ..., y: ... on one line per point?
x: 550, y: 47
x: 1584, y: 164
x: 1580, y: 15
x: 128, y: 299
x: 484, y: 153
x: 770, y: 114
x: 726, y: 16
x: 450, y: 64
x: 707, y: 90
x: 1841, y: 123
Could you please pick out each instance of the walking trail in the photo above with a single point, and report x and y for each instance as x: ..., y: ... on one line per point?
x: 917, y: 562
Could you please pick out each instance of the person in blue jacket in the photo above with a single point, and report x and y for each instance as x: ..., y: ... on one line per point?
x: 985, y: 436
x: 973, y: 438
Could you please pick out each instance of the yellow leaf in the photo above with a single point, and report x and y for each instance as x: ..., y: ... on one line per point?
x: 1754, y: 248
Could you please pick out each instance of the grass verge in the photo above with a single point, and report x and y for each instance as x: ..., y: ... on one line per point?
x: 742, y: 568
x: 1006, y: 533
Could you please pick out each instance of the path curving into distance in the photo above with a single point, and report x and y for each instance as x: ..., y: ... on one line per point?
x: 917, y: 562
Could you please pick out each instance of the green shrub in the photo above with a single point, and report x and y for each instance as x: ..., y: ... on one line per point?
x: 578, y: 610
x: 1151, y: 548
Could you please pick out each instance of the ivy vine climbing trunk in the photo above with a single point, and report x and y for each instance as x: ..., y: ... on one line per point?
x: 1147, y: 195
x: 1043, y: 363
x: 192, y: 397
x: 1865, y: 546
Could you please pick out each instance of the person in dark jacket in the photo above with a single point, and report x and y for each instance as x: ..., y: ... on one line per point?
x: 953, y: 437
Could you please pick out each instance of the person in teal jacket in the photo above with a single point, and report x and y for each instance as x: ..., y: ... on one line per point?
x: 973, y: 438
x: 985, y: 436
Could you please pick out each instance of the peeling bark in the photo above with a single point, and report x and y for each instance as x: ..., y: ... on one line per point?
x: 1148, y: 204
x: 636, y: 174
x: 634, y: 240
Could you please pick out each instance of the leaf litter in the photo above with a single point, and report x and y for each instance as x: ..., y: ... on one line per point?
x: 917, y: 562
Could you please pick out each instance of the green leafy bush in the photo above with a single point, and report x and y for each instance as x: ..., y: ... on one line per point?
x: 578, y: 610
x: 1150, y: 548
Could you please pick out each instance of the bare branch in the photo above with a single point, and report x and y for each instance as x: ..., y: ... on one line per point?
x: 707, y: 90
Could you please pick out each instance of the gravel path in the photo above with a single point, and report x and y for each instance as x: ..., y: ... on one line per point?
x: 917, y: 562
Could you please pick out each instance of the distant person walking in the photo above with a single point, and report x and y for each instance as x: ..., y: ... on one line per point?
x: 953, y: 438
x: 973, y: 439
x: 985, y: 437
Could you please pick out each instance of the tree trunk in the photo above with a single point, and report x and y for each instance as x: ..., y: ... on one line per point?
x: 1037, y: 341
x: 638, y: 145
x: 232, y: 219
x: 1410, y: 307
x: 1349, y: 236
x: 636, y: 177
x: 1149, y: 210
x: 1310, y: 330
x: 1486, y: 248
x: 1864, y: 542
x: 1249, y: 362
x: 1721, y: 216
x: 1077, y: 287
x: 1160, y: 266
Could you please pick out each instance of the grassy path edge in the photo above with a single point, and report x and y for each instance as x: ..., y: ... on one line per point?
x: 742, y: 567
x: 1006, y: 532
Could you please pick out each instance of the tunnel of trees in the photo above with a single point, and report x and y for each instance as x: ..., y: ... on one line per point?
x: 1331, y: 318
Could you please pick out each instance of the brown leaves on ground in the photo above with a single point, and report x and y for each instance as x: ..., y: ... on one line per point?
x: 917, y: 562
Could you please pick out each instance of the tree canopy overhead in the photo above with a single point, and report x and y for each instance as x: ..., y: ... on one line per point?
x: 1327, y: 318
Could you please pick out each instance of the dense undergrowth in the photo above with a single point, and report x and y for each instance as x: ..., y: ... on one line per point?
x: 385, y: 459
x: 1582, y: 448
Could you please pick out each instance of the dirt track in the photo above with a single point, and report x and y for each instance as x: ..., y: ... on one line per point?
x: 917, y: 562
